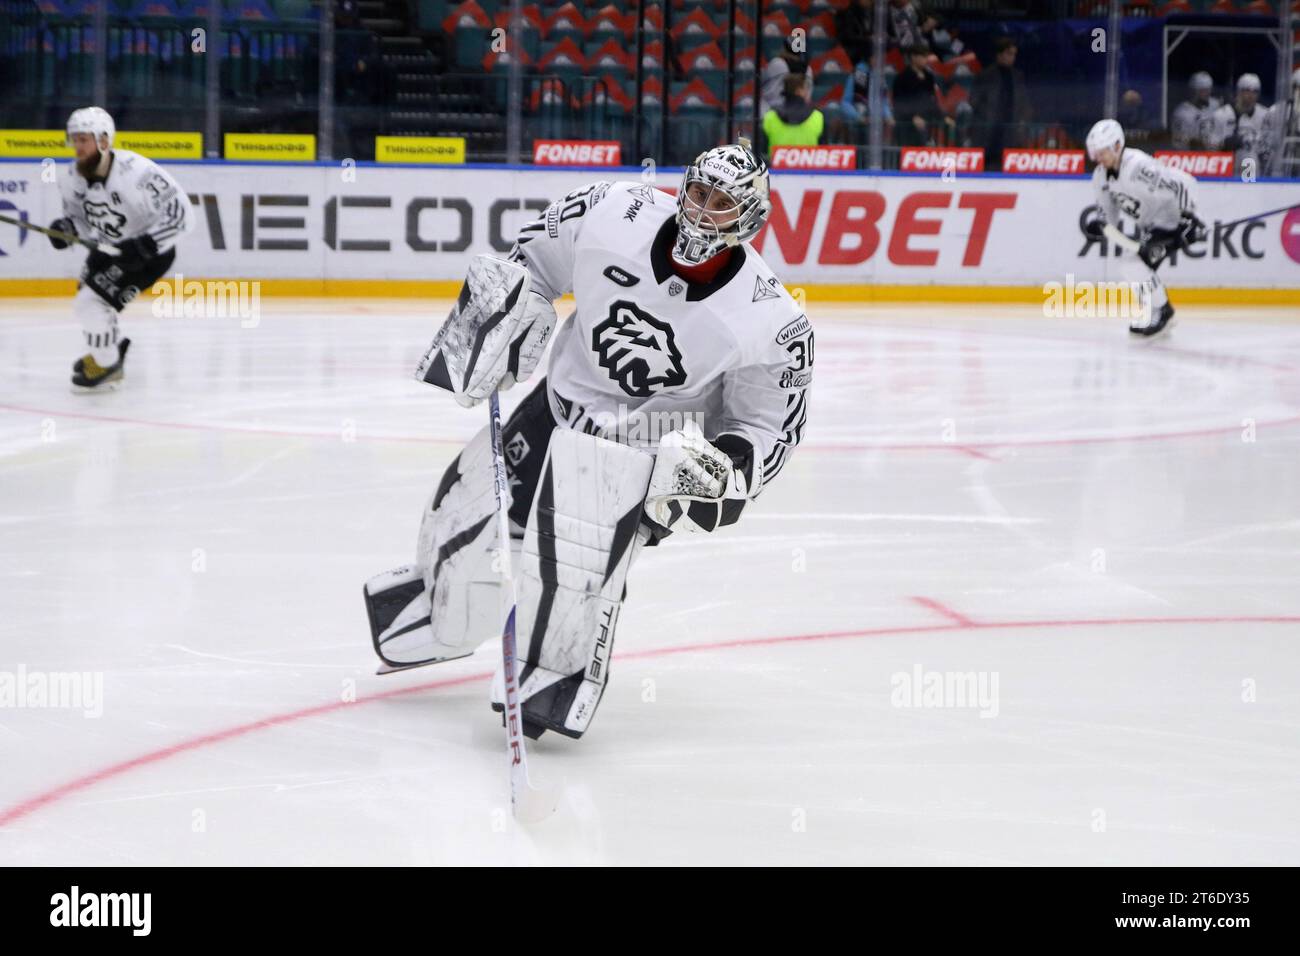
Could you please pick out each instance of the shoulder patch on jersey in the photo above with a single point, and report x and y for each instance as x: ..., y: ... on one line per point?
x: 793, y: 330
x: 645, y: 191
x: 765, y: 288
x: 637, y: 350
x: 618, y: 276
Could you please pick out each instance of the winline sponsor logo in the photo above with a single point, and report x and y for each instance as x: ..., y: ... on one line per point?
x: 22, y: 689
x: 179, y: 298
x: 134, y: 910
x: 1092, y: 300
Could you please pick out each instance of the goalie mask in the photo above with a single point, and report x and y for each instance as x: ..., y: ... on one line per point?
x: 723, y: 202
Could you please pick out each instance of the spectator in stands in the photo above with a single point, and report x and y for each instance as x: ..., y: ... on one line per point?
x: 916, y: 102
x: 942, y: 40
x: 1000, y: 104
x: 795, y: 122
x: 854, y: 106
x: 1133, y: 118
x: 854, y: 27
x: 1193, y: 119
x: 793, y: 59
x: 904, y: 24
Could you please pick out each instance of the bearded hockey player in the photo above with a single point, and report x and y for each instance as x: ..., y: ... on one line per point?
x: 674, y: 395
x: 117, y: 197
x: 1159, y: 200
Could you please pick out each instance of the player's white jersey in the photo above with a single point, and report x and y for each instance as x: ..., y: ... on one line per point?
x: 1146, y: 190
x: 735, y: 353
x: 137, y: 197
x: 1252, y: 131
x: 1193, y: 124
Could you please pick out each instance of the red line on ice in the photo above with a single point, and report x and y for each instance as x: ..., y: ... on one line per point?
x: 29, y: 806
x: 939, y: 608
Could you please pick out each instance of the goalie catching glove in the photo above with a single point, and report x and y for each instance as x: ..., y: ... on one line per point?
x: 494, y: 336
x: 696, y: 485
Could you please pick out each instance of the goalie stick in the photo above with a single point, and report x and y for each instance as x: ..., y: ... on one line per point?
x: 527, y: 802
x: 106, y: 248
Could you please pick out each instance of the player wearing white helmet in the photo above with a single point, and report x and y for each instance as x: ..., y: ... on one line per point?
x: 1282, y: 132
x: 1242, y: 127
x: 1192, y: 122
x: 122, y: 199
x: 1160, y: 202
x: 674, y: 394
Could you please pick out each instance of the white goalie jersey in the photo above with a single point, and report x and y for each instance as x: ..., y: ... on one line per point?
x: 646, y: 349
x: 137, y: 198
x: 1153, y: 195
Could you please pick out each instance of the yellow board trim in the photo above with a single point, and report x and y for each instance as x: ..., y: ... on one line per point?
x: 420, y: 149
x: 270, y: 147
x: 448, y: 288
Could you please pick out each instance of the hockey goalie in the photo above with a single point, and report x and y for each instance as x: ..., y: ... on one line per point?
x: 673, y: 396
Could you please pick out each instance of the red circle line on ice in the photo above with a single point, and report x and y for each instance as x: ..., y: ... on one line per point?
x: 956, y: 622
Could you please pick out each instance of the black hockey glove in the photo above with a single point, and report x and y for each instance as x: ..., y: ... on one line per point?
x: 1094, y: 228
x: 62, y: 225
x: 135, y: 252
x: 1190, y: 229
x: 1157, y: 245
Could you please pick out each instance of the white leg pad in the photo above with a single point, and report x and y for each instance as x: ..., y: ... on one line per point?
x: 583, y: 533
x: 458, y: 606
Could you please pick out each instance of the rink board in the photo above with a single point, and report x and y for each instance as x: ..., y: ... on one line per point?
x: 318, y: 228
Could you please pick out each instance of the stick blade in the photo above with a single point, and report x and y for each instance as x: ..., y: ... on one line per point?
x: 534, y: 804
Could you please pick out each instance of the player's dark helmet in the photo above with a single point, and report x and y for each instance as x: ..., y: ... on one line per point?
x: 728, y: 206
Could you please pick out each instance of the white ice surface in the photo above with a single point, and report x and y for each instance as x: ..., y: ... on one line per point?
x: 980, y: 490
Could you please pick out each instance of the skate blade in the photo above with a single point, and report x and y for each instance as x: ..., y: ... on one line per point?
x: 1154, y: 336
x: 110, y: 386
x: 395, y: 668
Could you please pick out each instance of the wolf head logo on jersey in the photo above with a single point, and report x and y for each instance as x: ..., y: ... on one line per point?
x: 637, y: 350
x: 106, y: 221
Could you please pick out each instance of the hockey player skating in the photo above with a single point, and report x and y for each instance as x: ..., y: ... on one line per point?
x: 117, y: 197
x: 673, y: 396
x: 1158, y: 198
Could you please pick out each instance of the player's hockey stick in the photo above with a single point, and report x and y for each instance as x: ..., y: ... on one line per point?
x: 1258, y: 215
x: 106, y: 248
x: 528, y: 803
x: 1112, y: 233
